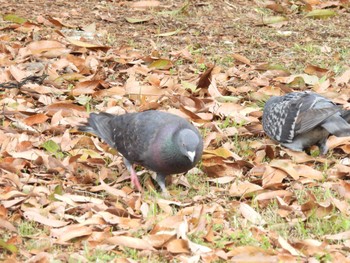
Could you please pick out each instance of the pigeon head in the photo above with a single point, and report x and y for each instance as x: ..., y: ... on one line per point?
x: 188, y: 143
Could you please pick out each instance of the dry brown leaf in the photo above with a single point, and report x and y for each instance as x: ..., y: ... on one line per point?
x: 343, y: 78
x: 197, y: 248
x: 7, y: 225
x: 82, y: 199
x: 288, y: 247
x: 334, y: 141
x: 251, y: 215
x: 165, y: 207
x: 47, y: 48
x: 284, y: 194
x: 110, y: 190
x: 143, y: 90
x: 35, y: 216
x: 86, y: 87
x: 343, y: 206
x: 158, y: 240
x: 178, y: 246
x: 338, y: 236
x: 210, y: 236
x: 28, y: 155
x: 66, y: 108
x: 250, y: 254
x: 244, y: 189
x: 130, y: 242
x: 315, y: 70
x: 221, y: 152
x: 312, y: 207
x: 87, y: 45
x: 241, y: 58
x: 67, y: 233
x: 122, y: 222
x: 18, y: 74
x: 286, y: 166
x: 303, y: 157
x: 23, y: 146
x: 342, y: 188
x: 310, y: 246
x: 145, y: 4
x: 35, y: 119
x: 273, y: 177
x: 170, y: 222
x: 308, y: 172
x: 205, y: 79
x: 222, y: 180
x: 226, y: 109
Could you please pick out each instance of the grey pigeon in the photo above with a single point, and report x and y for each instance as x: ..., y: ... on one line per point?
x: 160, y: 141
x: 299, y: 120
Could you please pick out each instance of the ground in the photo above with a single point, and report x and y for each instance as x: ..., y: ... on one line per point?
x: 65, y: 196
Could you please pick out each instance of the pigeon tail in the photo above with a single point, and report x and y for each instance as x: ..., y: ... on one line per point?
x: 346, y: 115
x: 100, y: 125
x: 337, y: 126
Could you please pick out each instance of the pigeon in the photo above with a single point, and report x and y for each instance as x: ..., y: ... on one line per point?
x: 162, y: 142
x: 299, y: 120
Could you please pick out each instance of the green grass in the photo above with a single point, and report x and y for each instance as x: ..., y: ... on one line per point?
x: 29, y: 229
x: 98, y: 255
x: 311, y: 227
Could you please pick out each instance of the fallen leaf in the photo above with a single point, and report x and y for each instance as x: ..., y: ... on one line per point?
x: 34, y: 216
x: 321, y: 13
x: 161, y: 64
x: 251, y: 215
x: 168, y: 34
x: 339, y: 236
x: 35, y: 119
x: 285, y: 245
x: 244, y: 188
x: 241, y: 58
x: 286, y: 166
x: 130, y: 242
x: 178, y: 246
x: 145, y: 4
x: 205, y: 79
x: 9, y: 247
x: 67, y: 233
x: 273, y: 20
x: 14, y: 18
x: 132, y: 20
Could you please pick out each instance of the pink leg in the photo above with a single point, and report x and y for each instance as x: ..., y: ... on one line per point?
x: 133, y: 176
x: 134, y: 179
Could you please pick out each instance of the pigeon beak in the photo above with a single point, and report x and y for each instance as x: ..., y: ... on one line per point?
x: 191, y: 156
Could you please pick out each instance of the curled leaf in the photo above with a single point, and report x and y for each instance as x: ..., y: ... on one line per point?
x: 321, y: 13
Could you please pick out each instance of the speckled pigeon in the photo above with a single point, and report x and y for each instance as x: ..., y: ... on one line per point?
x: 299, y: 120
x: 159, y: 141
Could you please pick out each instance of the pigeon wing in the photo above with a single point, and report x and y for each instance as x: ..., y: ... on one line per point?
x: 311, y: 118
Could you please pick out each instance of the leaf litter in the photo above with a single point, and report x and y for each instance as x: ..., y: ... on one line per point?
x: 249, y: 198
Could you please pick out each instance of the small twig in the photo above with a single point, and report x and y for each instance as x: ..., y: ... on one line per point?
x: 17, y: 85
